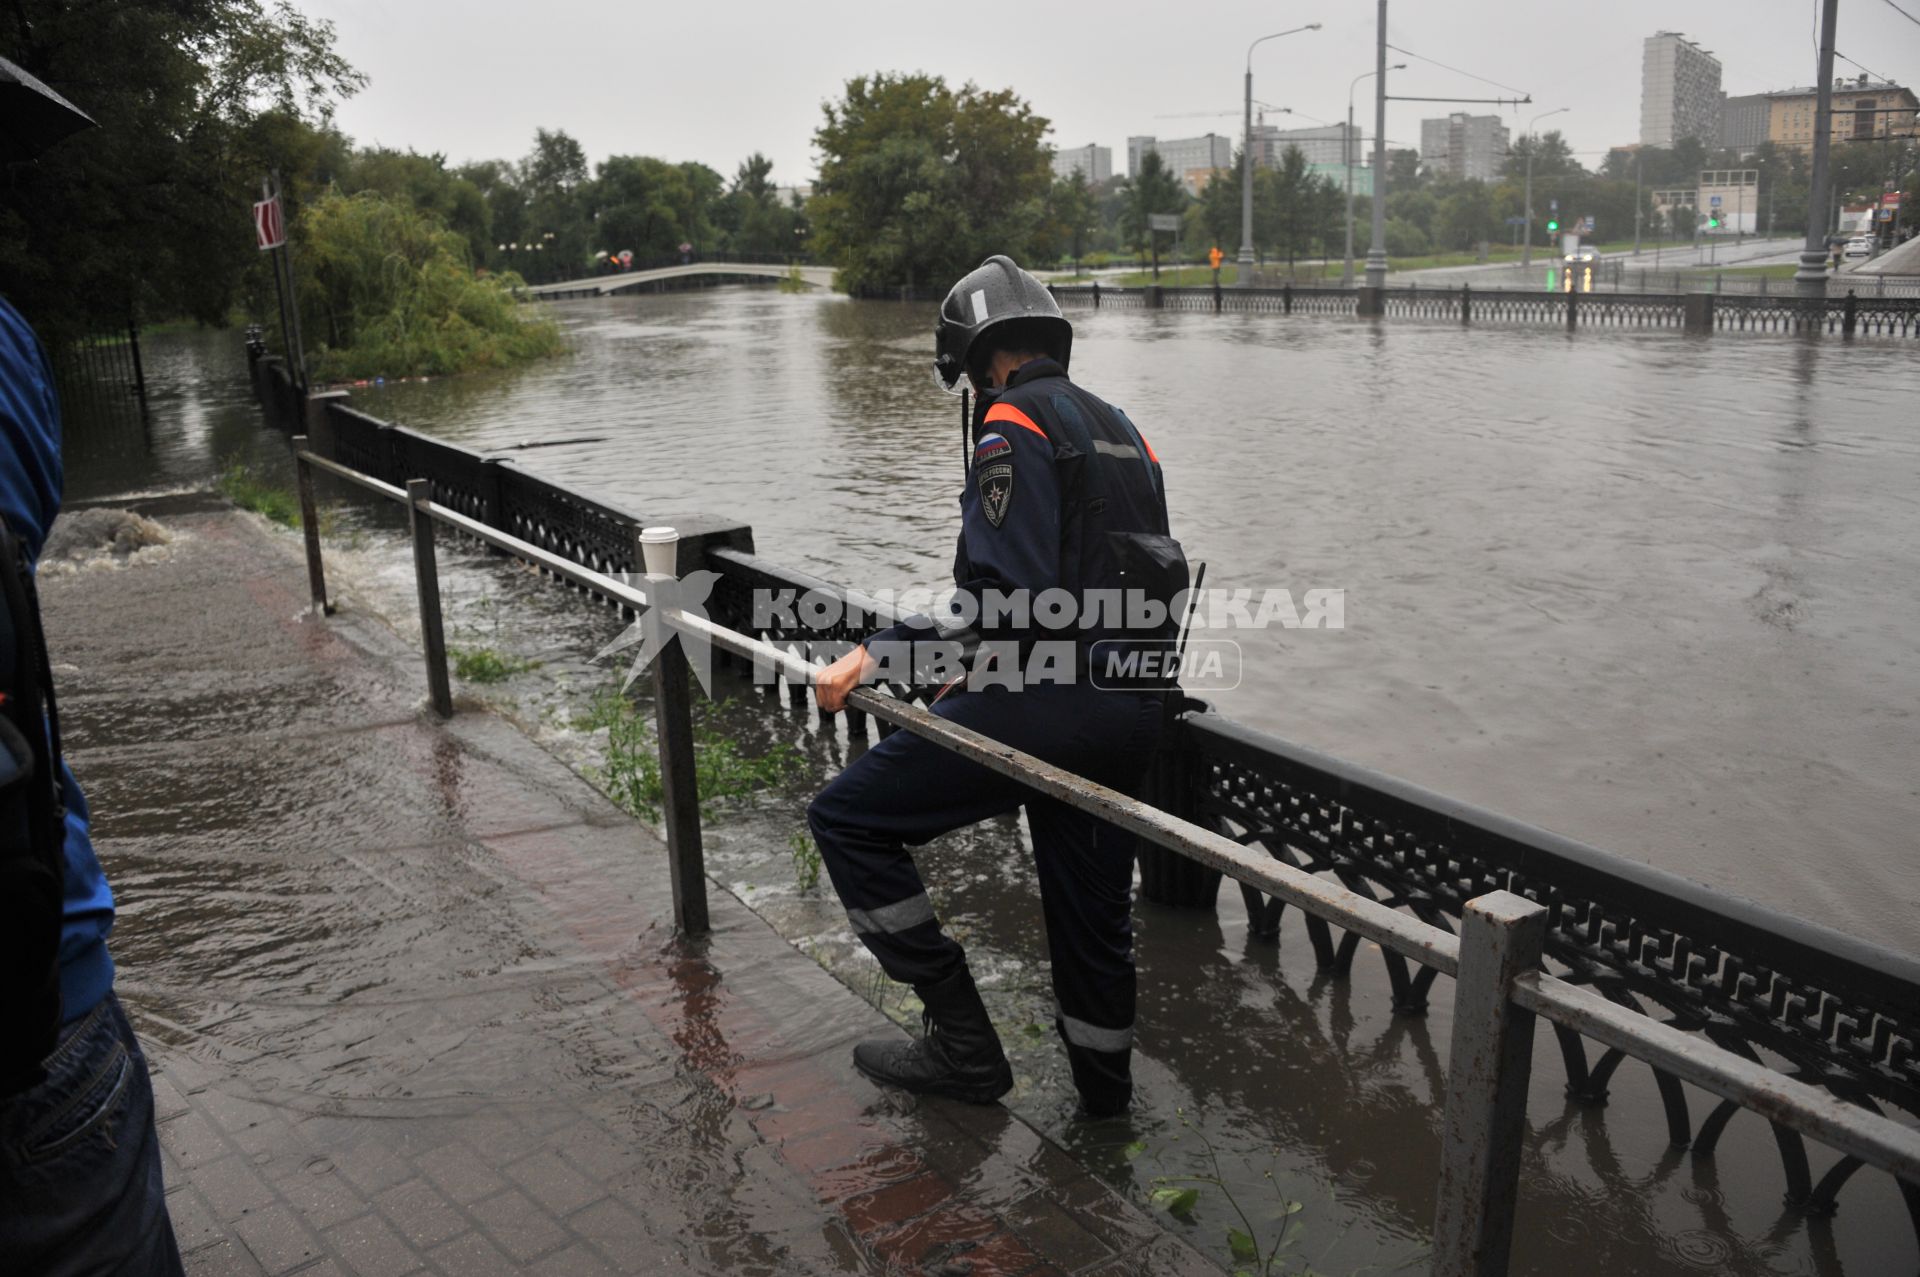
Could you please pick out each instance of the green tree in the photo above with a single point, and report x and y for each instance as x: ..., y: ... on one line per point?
x: 388, y: 291
x: 1416, y: 208
x: 1073, y: 213
x: 1465, y: 217
x: 149, y: 213
x: 1294, y: 218
x: 555, y: 166
x: 1403, y: 170
x: 652, y: 207
x: 425, y: 182
x: 1551, y: 156
x: 1154, y: 189
x: 918, y: 182
x: 1405, y: 239
x: 751, y: 216
x: 556, y: 226
x: 498, y: 184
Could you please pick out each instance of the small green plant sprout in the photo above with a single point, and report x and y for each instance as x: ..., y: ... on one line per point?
x: 248, y: 488
x: 806, y: 859
x: 722, y: 770
x: 485, y: 665
x: 1179, y: 1196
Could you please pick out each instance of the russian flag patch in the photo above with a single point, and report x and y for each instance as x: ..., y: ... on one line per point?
x: 990, y: 447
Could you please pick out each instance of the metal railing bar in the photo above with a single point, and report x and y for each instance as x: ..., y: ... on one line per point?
x: 367, y: 481
x: 566, y: 568
x: 1874, y: 1139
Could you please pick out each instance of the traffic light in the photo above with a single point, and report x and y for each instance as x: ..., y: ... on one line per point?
x: 1553, y: 224
x: 1712, y: 223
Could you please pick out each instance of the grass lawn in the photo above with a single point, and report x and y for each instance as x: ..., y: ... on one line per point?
x: 1310, y: 271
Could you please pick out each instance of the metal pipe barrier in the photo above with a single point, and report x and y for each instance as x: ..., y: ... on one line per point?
x: 1500, y: 988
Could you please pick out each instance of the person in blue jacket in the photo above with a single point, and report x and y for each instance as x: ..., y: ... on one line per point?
x: 80, y: 1180
x: 1064, y: 498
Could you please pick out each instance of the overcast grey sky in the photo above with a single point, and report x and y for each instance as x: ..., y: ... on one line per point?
x: 716, y: 81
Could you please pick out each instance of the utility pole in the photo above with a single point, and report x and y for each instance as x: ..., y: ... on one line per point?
x: 1346, y: 276
x: 1636, y: 201
x: 1245, y: 259
x: 1377, y: 250
x: 1812, y: 275
x: 1244, y: 275
x: 1526, y: 257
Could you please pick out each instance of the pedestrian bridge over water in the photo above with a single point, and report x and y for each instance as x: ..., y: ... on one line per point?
x: 626, y: 281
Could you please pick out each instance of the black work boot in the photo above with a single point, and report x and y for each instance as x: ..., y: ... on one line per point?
x: 959, y: 1056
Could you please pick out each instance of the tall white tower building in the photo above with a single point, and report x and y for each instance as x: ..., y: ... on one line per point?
x: 1679, y: 91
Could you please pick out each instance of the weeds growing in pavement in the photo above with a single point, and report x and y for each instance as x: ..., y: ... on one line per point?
x: 722, y: 770
x: 485, y: 665
x: 245, y: 486
x: 806, y: 859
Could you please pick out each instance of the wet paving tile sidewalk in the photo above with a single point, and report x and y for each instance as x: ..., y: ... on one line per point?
x: 413, y: 1002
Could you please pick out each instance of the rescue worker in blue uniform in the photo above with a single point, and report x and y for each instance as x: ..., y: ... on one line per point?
x: 80, y: 1177
x: 1063, y: 493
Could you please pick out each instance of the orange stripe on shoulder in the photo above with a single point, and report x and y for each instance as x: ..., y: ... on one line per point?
x: 1007, y: 412
x: 1151, y: 454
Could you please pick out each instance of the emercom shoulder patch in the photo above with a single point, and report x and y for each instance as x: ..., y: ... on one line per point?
x: 996, y: 491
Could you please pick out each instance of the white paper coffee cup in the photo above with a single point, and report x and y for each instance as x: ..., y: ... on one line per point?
x: 660, y: 547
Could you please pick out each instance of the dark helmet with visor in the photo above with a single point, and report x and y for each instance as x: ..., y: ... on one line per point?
x: 997, y: 293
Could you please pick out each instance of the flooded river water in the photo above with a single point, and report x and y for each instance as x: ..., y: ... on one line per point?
x: 1651, y: 592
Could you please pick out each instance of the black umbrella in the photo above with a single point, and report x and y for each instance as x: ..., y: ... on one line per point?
x: 32, y: 116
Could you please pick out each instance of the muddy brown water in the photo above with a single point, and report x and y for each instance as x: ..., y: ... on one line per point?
x: 1650, y: 592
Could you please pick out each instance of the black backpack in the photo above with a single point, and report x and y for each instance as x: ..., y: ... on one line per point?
x: 32, y: 831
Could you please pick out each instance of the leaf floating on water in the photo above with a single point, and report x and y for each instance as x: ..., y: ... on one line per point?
x: 1178, y: 1202
x: 1136, y: 1148
x: 1242, y: 1245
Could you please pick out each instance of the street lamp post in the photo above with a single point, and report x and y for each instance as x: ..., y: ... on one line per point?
x: 1636, y: 201
x: 1377, y: 250
x: 1245, y: 258
x: 1346, y: 276
x: 1811, y: 278
x: 1526, y: 256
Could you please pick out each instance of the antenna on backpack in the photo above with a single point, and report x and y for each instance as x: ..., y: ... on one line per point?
x: 1193, y: 601
x: 966, y: 417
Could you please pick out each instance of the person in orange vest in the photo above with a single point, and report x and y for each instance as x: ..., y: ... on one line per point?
x: 1215, y: 256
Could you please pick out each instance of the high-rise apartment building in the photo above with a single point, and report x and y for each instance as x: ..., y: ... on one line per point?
x: 1094, y: 161
x: 1679, y: 91
x: 1190, y: 159
x: 1744, y: 121
x: 1462, y: 146
x: 1323, y: 145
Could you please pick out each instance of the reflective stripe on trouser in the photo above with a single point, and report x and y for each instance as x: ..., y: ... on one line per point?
x: 905, y: 791
x: 901, y: 915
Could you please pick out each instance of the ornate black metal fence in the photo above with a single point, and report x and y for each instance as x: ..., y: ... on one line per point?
x: 1848, y: 315
x: 1284, y: 300
x: 1810, y: 1003
x: 1851, y: 315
